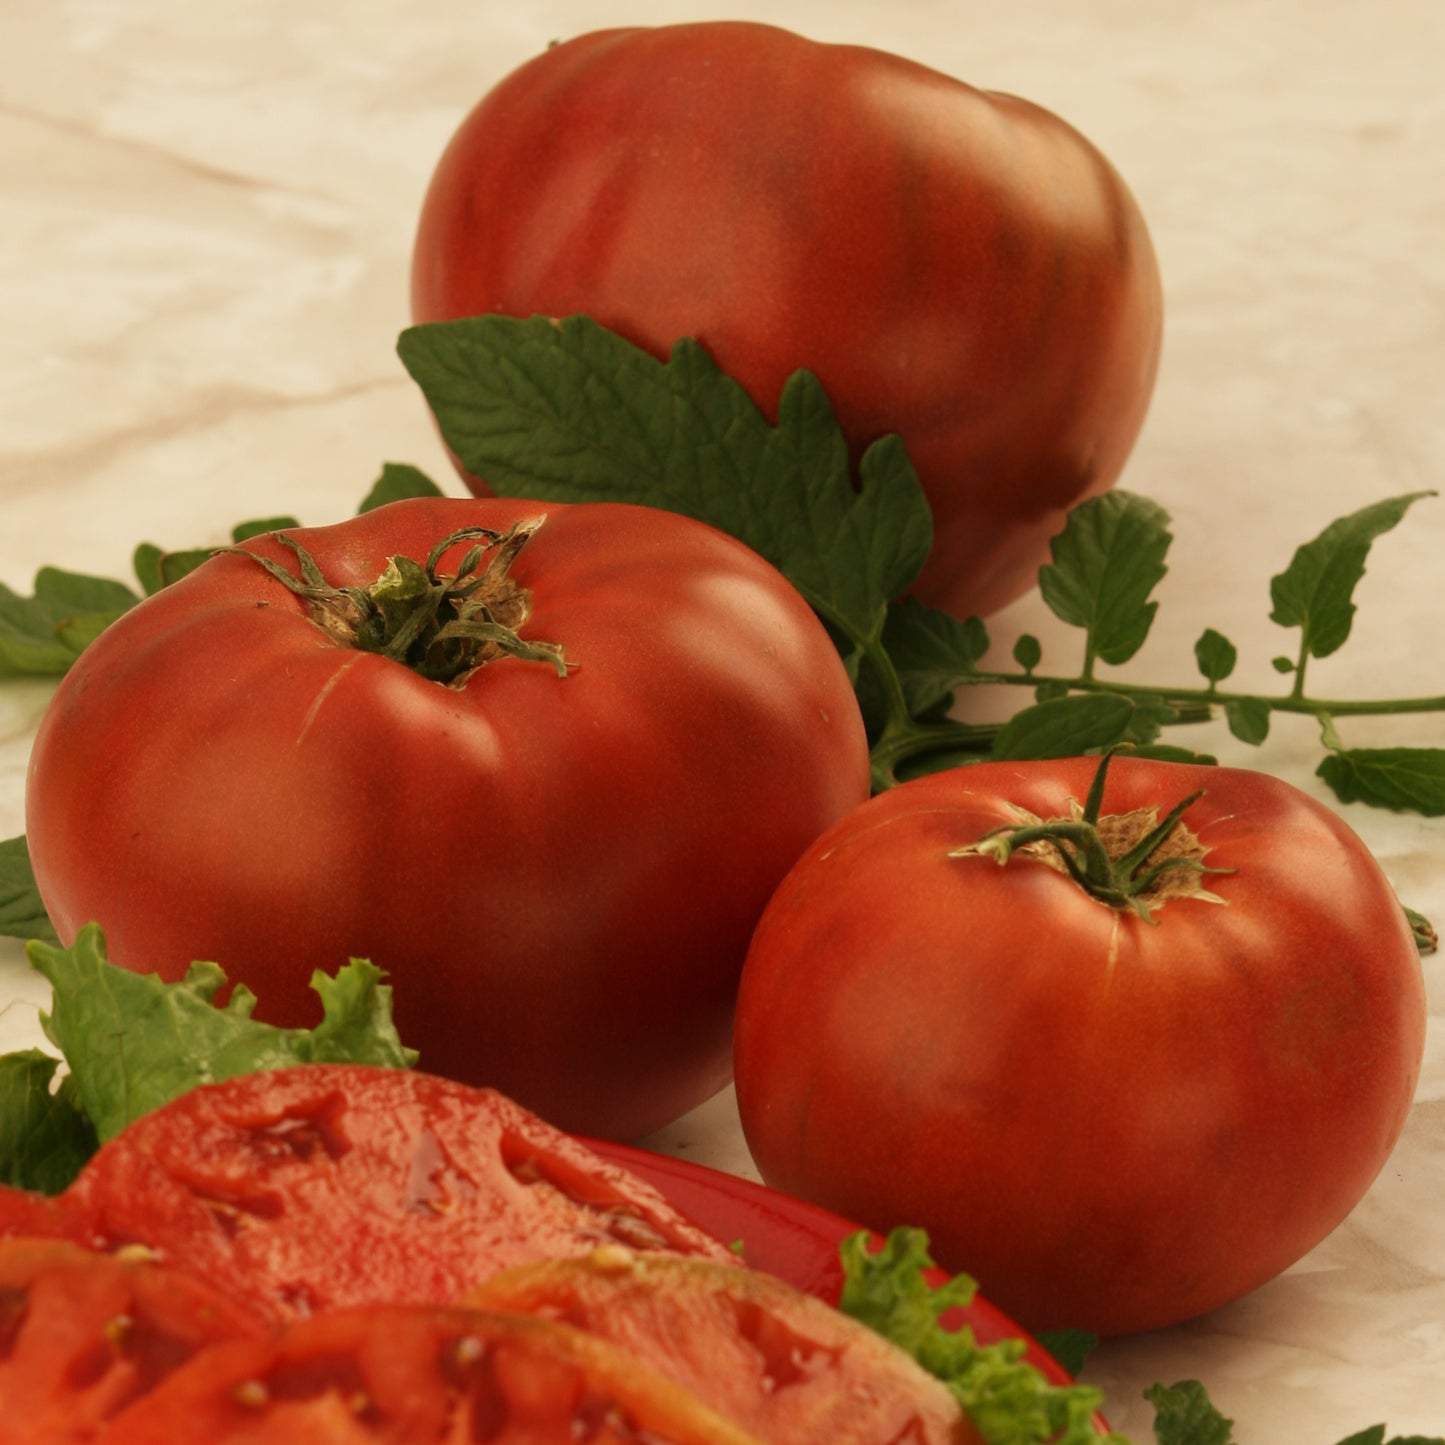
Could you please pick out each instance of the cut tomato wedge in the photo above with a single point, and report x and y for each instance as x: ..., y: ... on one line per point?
x: 84, y: 1334
x: 403, y: 1375
x: 779, y: 1362
x: 326, y: 1185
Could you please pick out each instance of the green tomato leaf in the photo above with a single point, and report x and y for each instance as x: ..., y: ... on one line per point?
x: 932, y: 651
x: 1404, y: 779
x: 133, y: 1042
x: 1064, y: 727
x: 1106, y: 562
x: 45, y: 1137
x: 569, y: 411
x: 1314, y: 592
x: 22, y: 914
x: 1375, y: 1435
x: 1248, y: 719
x: 155, y: 567
x: 1184, y: 1415
x: 1427, y: 938
x: 1010, y: 1402
x: 244, y: 531
x: 1216, y: 655
x: 1071, y: 1348
x: 398, y: 482
x: 43, y: 634
x: 1028, y: 652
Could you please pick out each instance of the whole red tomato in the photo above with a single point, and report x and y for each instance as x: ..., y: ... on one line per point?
x: 1112, y: 1122
x: 559, y: 870
x: 957, y: 266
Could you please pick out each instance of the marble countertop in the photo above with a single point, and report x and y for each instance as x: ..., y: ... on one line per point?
x: 207, y: 212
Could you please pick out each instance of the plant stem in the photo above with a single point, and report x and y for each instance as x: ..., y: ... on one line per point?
x: 1278, y: 702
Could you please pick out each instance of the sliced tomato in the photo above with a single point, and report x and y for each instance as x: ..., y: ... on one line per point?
x: 404, y: 1374
x: 83, y: 1334
x: 776, y: 1360
x: 23, y: 1211
x: 326, y: 1185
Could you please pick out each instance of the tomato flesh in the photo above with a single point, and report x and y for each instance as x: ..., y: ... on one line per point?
x: 399, y: 1374
x: 83, y: 1334
x: 787, y: 1366
x: 308, y: 1188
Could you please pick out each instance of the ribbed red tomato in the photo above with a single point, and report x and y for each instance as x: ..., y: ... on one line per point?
x: 1111, y: 1122
x: 957, y: 266
x: 558, y: 857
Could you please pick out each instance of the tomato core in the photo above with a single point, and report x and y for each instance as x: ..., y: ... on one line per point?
x: 441, y: 625
x: 1125, y: 860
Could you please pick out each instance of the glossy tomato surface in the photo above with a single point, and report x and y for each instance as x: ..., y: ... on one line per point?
x: 957, y: 266
x: 560, y: 874
x: 328, y: 1185
x: 1110, y: 1123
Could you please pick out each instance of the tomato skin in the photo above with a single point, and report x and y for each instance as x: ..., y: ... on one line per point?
x: 1112, y: 1125
x: 328, y: 1185
x: 560, y: 875
x: 957, y: 266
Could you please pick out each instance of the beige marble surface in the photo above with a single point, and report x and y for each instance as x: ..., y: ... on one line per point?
x: 205, y: 214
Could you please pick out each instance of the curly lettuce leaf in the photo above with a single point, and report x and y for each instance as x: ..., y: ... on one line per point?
x: 132, y: 1042
x: 1007, y: 1398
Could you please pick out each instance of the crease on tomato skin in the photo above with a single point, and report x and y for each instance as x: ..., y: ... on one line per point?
x: 324, y: 692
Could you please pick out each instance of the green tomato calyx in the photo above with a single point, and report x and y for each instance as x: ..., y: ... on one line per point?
x: 443, y: 626
x: 1129, y: 861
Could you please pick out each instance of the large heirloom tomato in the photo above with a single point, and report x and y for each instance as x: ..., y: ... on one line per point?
x: 1111, y: 1121
x: 957, y: 266
x: 558, y: 857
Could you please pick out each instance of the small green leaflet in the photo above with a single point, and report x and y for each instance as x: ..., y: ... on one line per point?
x: 398, y: 481
x: 45, y: 1137
x: 134, y: 1042
x: 1314, y: 592
x: 1405, y: 779
x: 569, y: 411
x: 22, y: 914
x: 1183, y: 1415
x: 1106, y: 561
x: 43, y: 634
x: 1216, y: 655
x: 1065, y: 727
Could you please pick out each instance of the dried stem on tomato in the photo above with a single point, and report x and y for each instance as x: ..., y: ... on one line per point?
x: 442, y: 626
x: 1125, y: 860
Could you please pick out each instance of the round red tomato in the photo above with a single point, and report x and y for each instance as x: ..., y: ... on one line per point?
x: 1112, y: 1122
x: 957, y: 266
x: 558, y: 856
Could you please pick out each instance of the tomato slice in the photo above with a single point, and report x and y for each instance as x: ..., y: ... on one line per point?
x: 412, y: 1373
x: 83, y: 1334
x: 325, y: 1185
x: 40, y: 1216
x: 778, y: 1361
